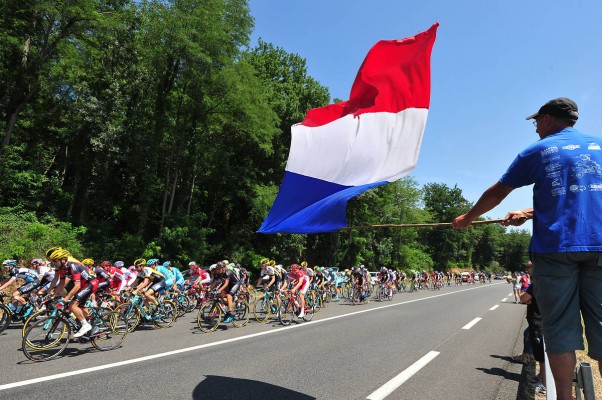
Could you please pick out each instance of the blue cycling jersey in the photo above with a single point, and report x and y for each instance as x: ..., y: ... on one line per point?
x: 169, y: 278
x: 179, y: 278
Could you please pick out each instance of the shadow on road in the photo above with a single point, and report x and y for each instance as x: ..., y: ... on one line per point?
x: 222, y: 387
x: 501, y: 372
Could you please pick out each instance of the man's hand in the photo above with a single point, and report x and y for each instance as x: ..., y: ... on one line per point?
x: 461, y: 222
x: 517, y: 218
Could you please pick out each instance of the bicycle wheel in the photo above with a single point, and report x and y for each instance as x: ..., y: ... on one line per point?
x: 34, y: 317
x: 183, y: 304
x: 209, y: 317
x: 309, y: 313
x: 165, y: 314
x: 131, y: 313
x: 46, y: 339
x: 314, y: 301
x: 193, y: 302
x: 287, y: 312
x: 240, y: 314
x: 5, y: 317
x: 108, y: 330
x: 261, y: 310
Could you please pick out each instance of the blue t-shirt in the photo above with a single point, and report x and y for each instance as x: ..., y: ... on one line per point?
x: 566, y: 170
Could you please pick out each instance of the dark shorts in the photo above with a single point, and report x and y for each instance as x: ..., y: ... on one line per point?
x: 28, y: 287
x: 85, y: 293
x: 233, y: 288
x: 568, y: 286
x: 158, y: 287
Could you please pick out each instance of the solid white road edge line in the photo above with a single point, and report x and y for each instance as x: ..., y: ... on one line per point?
x: 471, y: 323
x: 406, y: 374
x: 203, y: 346
x: 494, y: 307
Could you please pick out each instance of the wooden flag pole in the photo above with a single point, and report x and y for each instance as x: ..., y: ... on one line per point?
x: 437, y: 224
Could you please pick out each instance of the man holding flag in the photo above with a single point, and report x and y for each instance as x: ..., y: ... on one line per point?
x: 565, y: 167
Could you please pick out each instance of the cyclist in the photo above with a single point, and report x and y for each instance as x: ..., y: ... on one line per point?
x: 226, y: 280
x: 153, y: 281
x: 267, y: 276
x: 45, y: 275
x: 76, y: 279
x: 130, y: 275
x: 198, y: 276
x: 30, y: 277
x: 178, y: 278
x: 299, y: 283
x: 359, y: 281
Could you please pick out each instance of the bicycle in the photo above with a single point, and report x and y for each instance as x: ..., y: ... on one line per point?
x: 384, y: 293
x: 48, y: 338
x: 212, y: 313
x: 264, y: 306
x: 290, y: 309
x: 162, y: 315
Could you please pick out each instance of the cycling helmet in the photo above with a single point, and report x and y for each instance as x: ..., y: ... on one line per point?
x: 304, y: 264
x: 272, y: 263
x: 37, y: 261
x: 383, y: 269
x: 264, y: 261
x: 88, y: 261
x: 140, y: 261
x: 192, y: 264
x: 167, y: 264
x: 212, y: 267
x: 105, y: 264
x: 294, y: 267
x: 225, y: 262
x: 9, y: 263
x: 56, y: 253
x: 132, y: 268
x: 152, y: 261
x: 119, y: 264
x: 194, y: 267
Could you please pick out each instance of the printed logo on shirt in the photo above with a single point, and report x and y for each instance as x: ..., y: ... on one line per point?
x: 558, y: 191
x: 577, y: 188
x: 553, y: 167
x: 549, y: 150
x: 557, y: 182
x: 550, y: 159
x: 571, y: 147
x: 593, y: 146
x: 595, y: 187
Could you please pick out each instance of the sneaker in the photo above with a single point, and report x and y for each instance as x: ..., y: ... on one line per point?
x: 83, y: 330
x: 228, y: 318
x: 540, y: 388
x: 302, y: 314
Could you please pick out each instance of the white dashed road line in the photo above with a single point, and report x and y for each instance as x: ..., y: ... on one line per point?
x: 494, y: 307
x: 406, y: 374
x: 471, y: 323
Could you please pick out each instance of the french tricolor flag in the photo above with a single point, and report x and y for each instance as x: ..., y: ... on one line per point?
x: 342, y: 150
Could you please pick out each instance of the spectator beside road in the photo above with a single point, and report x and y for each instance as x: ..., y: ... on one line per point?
x: 516, y: 286
x: 565, y: 167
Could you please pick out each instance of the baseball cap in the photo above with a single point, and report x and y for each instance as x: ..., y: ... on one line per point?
x: 561, y: 107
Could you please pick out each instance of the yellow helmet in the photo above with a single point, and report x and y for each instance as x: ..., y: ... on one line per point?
x: 88, y: 261
x: 264, y: 261
x: 55, y: 253
x: 140, y: 261
x: 304, y: 264
x: 272, y: 263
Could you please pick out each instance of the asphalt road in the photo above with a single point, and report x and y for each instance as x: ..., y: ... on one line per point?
x: 425, y: 345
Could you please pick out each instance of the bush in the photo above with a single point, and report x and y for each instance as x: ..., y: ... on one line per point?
x: 24, y: 236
